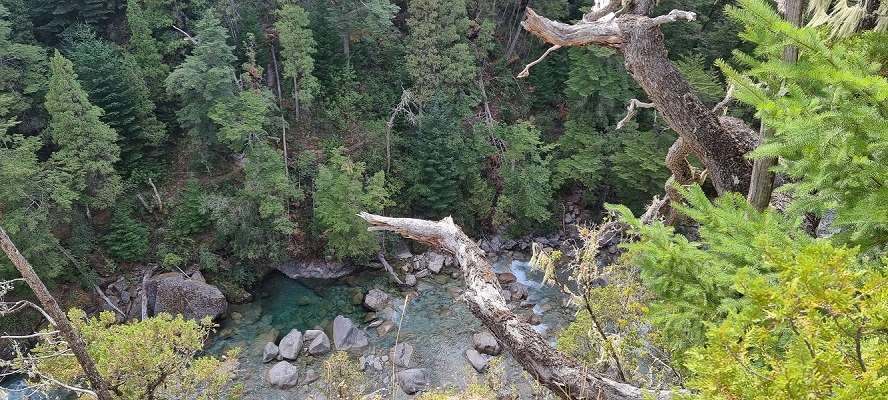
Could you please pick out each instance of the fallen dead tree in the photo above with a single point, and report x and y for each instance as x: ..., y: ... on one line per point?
x: 562, y: 374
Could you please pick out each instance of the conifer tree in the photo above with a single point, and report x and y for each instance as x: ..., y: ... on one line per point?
x: 22, y: 72
x: 145, y: 49
x: 298, y: 49
x: 342, y: 191
x: 114, y: 84
x: 527, y: 191
x: 439, y: 59
x: 204, y: 79
x: 87, y: 147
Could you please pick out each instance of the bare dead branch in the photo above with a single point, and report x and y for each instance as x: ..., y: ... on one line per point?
x: 597, y: 15
x: 526, y: 71
x: 673, y: 16
x: 31, y: 336
x: 630, y: 111
x: 108, y: 301
x: 729, y: 98
x: 557, y: 33
x: 187, y: 36
x: 388, y: 267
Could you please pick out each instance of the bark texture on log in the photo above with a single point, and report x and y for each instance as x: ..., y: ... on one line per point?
x: 77, y: 346
x: 562, y: 374
x: 638, y: 38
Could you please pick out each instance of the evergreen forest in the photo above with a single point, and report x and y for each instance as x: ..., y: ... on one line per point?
x: 714, y: 172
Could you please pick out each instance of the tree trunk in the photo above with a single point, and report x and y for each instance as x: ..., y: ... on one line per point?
x: 761, y: 184
x: 638, y: 38
x: 61, y: 320
x: 562, y: 374
x: 296, y: 96
x: 277, y: 81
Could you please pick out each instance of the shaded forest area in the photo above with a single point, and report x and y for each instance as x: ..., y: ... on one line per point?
x: 235, y: 135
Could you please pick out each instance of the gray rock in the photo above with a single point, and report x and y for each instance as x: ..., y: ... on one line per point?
x: 422, y: 274
x: 319, y: 345
x: 282, y: 375
x: 402, y: 251
x: 449, y: 261
x: 413, y: 380
x: 197, y: 276
x: 401, y: 354
x: 172, y: 293
x: 436, y: 261
x: 316, y: 269
x: 518, y: 291
x: 410, y: 280
x: 509, y: 244
x: 125, y: 297
x: 376, y: 299
x: 311, y: 334
x: 291, y: 345
x: 507, y: 295
x: 486, y: 343
x: 478, y: 361
x: 270, y: 352
x: 346, y: 335
x: 310, y: 376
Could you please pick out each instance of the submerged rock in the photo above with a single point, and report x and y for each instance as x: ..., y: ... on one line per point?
x: 316, y: 269
x: 401, y: 354
x: 413, y: 380
x: 291, y: 345
x: 310, y: 376
x: 282, y: 375
x: 486, y: 343
x: 518, y: 291
x: 346, y: 335
x: 175, y: 294
x: 376, y: 299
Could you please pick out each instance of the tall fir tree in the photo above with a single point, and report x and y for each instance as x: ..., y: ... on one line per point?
x: 145, y: 48
x: 438, y: 58
x: 298, y: 50
x: 114, y: 83
x: 86, y: 147
x: 204, y: 79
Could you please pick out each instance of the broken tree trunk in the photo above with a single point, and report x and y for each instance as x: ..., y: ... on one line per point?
x: 77, y: 346
x: 638, y: 38
x: 562, y: 374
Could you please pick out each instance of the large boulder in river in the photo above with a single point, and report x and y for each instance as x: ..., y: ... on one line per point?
x: 318, y: 342
x: 282, y: 375
x: 270, y: 352
x: 413, y: 380
x: 291, y: 345
x: 376, y: 299
x: 177, y: 294
x: 317, y: 269
x: 486, y: 343
x: 346, y: 335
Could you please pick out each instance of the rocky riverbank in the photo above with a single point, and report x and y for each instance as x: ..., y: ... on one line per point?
x: 440, y: 343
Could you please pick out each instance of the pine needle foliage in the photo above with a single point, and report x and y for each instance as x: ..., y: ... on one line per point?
x: 694, y: 281
x: 830, y: 114
x: 818, y: 330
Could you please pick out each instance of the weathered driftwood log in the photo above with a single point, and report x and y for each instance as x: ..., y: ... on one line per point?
x: 564, y: 375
